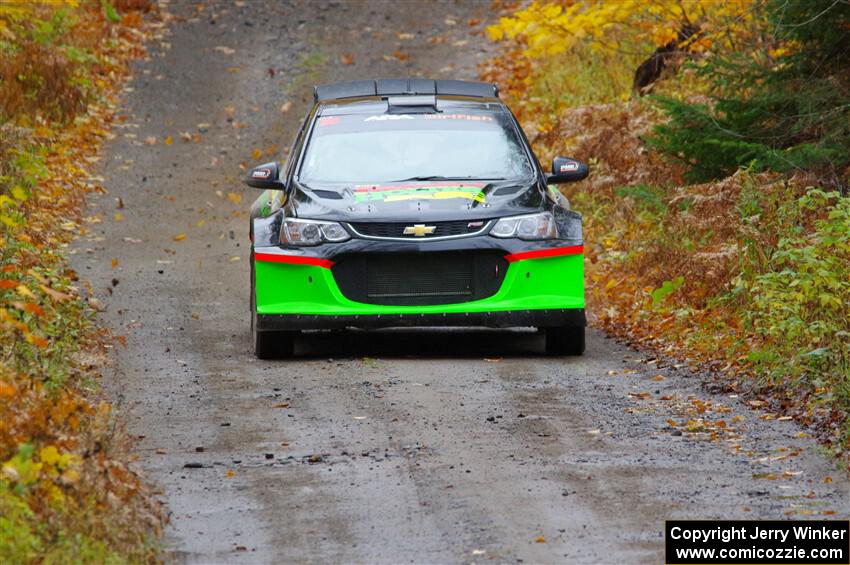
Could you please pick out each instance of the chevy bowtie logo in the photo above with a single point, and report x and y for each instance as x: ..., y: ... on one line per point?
x: 419, y: 230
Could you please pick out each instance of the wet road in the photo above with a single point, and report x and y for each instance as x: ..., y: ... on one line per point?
x: 418, y: 446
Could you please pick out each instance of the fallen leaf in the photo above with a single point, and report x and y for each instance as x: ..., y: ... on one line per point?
x: 54, y: 294
x: 346, y: 59
x: 114, y: 263
x: 150, y: 140
x: 540, y: 539
x: 282, y: 405
x: 658, y: 378
x: 257, y: 153
x: 118, y: 217
x: 25, y: 291
x: 235, y: 197
x: 827, y: 480
x: 180, y: 237
x: 285, y: 107
x: 230, y: 473
x: 169, y: 140
x: 224, y: 50
x: 404, y: 36
x: 34, y: 309
x: 401, y: 55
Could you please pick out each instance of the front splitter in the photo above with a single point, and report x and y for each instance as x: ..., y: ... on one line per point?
x: 497, y: 319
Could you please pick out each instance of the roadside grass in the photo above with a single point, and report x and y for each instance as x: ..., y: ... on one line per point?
x: 67, y: 493
x: 748, y: 276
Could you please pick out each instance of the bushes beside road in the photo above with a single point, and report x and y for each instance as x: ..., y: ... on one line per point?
x: 717, y: 212
x: 67, y: 493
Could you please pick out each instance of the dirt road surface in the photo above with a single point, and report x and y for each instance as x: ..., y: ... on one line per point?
x: 391, y: 446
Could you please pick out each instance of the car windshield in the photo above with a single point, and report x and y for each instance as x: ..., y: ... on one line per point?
x: 457, y: 143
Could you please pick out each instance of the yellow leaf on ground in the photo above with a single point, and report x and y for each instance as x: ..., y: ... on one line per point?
x: 114, y: 263
x: 180, y: 237
x: 49, y: 455
x: 257, y: 153
x: 169, y: 140
x: 24, y: 291
x: 235, y: 197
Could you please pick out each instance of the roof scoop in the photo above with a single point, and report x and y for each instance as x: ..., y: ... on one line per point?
x: 410, y: 104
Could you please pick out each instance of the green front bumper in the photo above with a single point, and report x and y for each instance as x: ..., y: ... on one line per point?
x: 544, y: 284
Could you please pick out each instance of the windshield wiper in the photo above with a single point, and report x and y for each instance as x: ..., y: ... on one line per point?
x: 439, y: 177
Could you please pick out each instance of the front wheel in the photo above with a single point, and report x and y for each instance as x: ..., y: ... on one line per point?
x: 273, y: 344
x: 565, y: 340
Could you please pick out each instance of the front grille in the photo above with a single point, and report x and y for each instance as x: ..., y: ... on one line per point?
x: 396, y: 229
x: 419, y: 279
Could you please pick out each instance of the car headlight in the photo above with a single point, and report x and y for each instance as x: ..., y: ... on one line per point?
x: 532, y: 226
x: 311, y: 232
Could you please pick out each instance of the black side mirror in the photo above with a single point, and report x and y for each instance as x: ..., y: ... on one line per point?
x: 565, y: 169
x: 265, y: 177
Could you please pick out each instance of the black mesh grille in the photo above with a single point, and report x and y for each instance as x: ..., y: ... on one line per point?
x: 407, y: 279
x: 396, y: 229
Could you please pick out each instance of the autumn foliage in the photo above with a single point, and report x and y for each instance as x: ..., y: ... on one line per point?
x: 67, y: 493
x: 727, y: 251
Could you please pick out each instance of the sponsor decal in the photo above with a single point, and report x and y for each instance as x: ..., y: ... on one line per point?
x: 398, y: 193
x: 329, y: 121
x: 386, y: 117
x: 261, y: 173
x: 567, y: 167
x: 464, y: 117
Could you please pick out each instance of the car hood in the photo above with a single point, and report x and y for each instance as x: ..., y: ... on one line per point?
x: 417, y: 201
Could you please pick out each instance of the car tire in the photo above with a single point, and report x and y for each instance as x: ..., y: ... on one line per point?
x: 274, y: 344
x: 565, y: 340
x: 269, y: 344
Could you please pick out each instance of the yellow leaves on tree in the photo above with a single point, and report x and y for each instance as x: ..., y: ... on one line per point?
x: 552, y: 28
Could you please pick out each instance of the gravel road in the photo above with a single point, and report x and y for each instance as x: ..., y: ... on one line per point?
x: 390, y: 446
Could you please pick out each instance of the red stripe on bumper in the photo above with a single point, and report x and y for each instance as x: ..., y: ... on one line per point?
x: 542, y: 253
x: 293, y: 260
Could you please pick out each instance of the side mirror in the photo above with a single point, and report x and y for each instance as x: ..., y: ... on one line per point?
x: 265, y: 177
x: 565, y: 169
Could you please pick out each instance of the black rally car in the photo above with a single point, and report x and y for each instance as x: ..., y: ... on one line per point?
x: 414, y: 202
